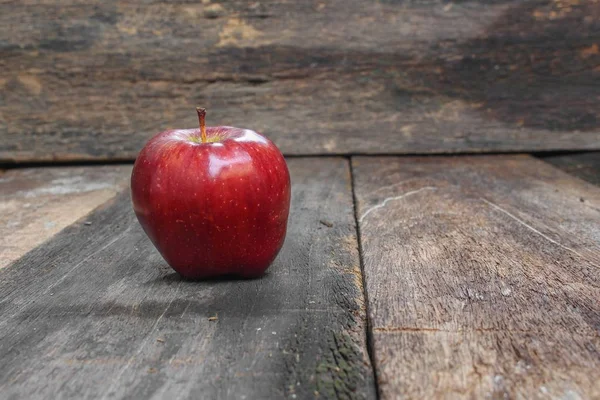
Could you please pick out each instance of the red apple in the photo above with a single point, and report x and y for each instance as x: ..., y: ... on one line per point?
x: 214, y: 201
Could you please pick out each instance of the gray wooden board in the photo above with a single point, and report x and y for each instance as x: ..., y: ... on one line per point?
x: 482, y: 277
x: 583, y: 165
x: 96, y: 313
x: 37, y: 203
x: 95, y: 80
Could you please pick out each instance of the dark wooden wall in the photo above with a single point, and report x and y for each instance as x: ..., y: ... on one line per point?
x: 94, y: 80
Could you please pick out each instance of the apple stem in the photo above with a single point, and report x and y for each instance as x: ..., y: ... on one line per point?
x: 201, y: 119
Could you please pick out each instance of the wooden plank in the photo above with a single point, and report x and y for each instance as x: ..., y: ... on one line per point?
x: 96, y: 313
x: 94, y: 80
x: 482, y: 275
x: 583, y: 165
x: 36, y: 203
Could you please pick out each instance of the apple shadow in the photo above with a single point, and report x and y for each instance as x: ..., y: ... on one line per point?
x: 236, y: 297
x: 176, y: 277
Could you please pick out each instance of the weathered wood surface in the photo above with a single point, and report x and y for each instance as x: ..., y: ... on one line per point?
x: 96, y: 313
x: 36, y: 203
x: 583, y: 165
x: 482, y: 277
x: 94, y: 80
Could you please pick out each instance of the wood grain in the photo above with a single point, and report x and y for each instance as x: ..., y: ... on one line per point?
x: 482, y: 275
x: 96, y: 313
x: 81, y: 80
x: 36, y: 203
x: 583, y: 165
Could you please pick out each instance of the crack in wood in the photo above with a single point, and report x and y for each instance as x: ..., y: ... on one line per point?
x: 531, y: 228
x: 387, y: 200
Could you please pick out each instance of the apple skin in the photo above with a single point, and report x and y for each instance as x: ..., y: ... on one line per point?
x: 214, y: 208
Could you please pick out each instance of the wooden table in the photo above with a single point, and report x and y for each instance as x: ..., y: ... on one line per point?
x: 479, y: 278
x: 406, y: 272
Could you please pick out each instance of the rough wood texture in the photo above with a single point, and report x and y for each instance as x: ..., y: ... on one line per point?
x: 81, y: 80
x: 36, y: 203
x: 583, y: 165
x: 96, y: 313
x: 482, y: 275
